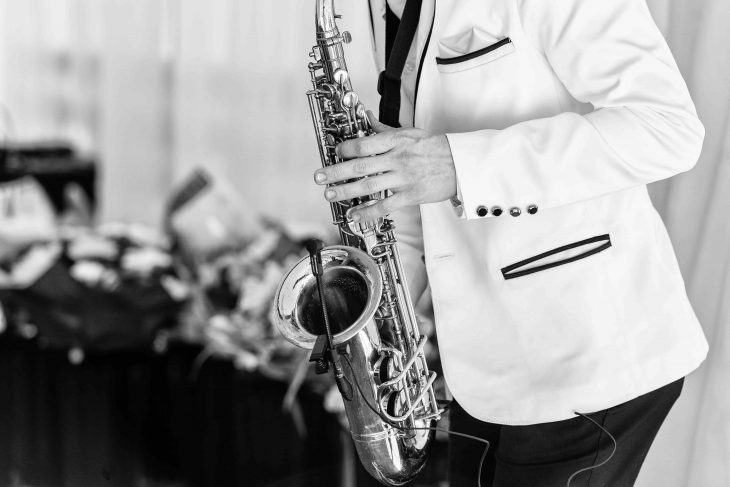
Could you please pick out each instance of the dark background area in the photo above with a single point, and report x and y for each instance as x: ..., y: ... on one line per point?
x: 138, y: 418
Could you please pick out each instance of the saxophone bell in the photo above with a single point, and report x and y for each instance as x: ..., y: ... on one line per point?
x: 352, y: 284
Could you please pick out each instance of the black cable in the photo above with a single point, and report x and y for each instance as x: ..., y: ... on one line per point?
x: 314, y: 247
x: 425, y: 428
x: 615, y: 446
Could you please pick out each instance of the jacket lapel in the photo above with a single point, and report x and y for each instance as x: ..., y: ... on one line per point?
x: 377, y: 16
x: 424, y: 40
x: 424, y: 24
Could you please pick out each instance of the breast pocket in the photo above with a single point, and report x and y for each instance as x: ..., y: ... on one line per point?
x: 475, y: 58
x: 477, y: 85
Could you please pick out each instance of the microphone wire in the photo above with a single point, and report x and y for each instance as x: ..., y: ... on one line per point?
x: 613, y: 451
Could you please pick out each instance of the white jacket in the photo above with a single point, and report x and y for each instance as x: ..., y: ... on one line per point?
x: 558, y: 112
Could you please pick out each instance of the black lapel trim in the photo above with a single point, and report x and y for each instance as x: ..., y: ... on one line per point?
x: 372, y: 21
x: 475, y: 54
x: 389, y: 81
x: 508, y: 274
x: 420, y: 65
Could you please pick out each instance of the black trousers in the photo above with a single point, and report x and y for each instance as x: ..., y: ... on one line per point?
x: 545, y: 455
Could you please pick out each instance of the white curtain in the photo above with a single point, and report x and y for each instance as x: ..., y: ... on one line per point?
x: 693, y: 449
x: 156, y: 87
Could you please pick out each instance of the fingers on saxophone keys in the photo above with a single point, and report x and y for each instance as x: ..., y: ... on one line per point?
x: 361, y: 187
x: 382, y: 208
x: 352, y: 169
x: 365, y: 146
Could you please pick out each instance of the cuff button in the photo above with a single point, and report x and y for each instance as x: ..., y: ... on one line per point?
x: 496, y: 210
x: 515, y: 212
x: 482, y: 211
x: 532, y: 209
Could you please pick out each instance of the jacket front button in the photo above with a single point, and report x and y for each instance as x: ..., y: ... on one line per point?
x: 496, y: 210
x: 482, y: 211
x: 532, y: 209
x: 515, y: 212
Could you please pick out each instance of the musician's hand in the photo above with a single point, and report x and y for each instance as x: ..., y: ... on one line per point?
x: 414, y: 164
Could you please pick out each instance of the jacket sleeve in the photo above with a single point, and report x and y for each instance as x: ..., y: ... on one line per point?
x: 643, y: 128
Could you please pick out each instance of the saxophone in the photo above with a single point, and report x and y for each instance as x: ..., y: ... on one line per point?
x: 368, y: 315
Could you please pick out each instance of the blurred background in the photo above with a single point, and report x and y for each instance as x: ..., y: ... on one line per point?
x: 161, y: 152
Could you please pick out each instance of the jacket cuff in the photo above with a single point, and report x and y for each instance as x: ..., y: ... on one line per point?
x: 482, y: 191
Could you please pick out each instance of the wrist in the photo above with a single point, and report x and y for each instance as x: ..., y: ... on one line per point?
x: 447, y: 160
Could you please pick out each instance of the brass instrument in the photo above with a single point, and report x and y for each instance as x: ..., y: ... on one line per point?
x: 389, y: 398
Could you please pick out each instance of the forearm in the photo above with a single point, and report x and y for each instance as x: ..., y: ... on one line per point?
x: 568, y: 158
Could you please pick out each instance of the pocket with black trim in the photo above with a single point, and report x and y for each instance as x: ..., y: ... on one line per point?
x: 560, y: 256
x: 476, y: 58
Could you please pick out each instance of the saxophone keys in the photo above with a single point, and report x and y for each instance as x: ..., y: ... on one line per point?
x: 341, y: 76
x: 350, y: 100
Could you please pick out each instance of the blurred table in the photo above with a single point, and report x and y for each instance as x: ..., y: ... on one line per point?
x: 140, y: 419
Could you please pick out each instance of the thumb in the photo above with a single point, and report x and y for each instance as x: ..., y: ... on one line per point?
x: 375, y: 123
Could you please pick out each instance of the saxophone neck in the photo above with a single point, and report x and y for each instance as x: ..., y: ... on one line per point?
x: 325, y: 16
